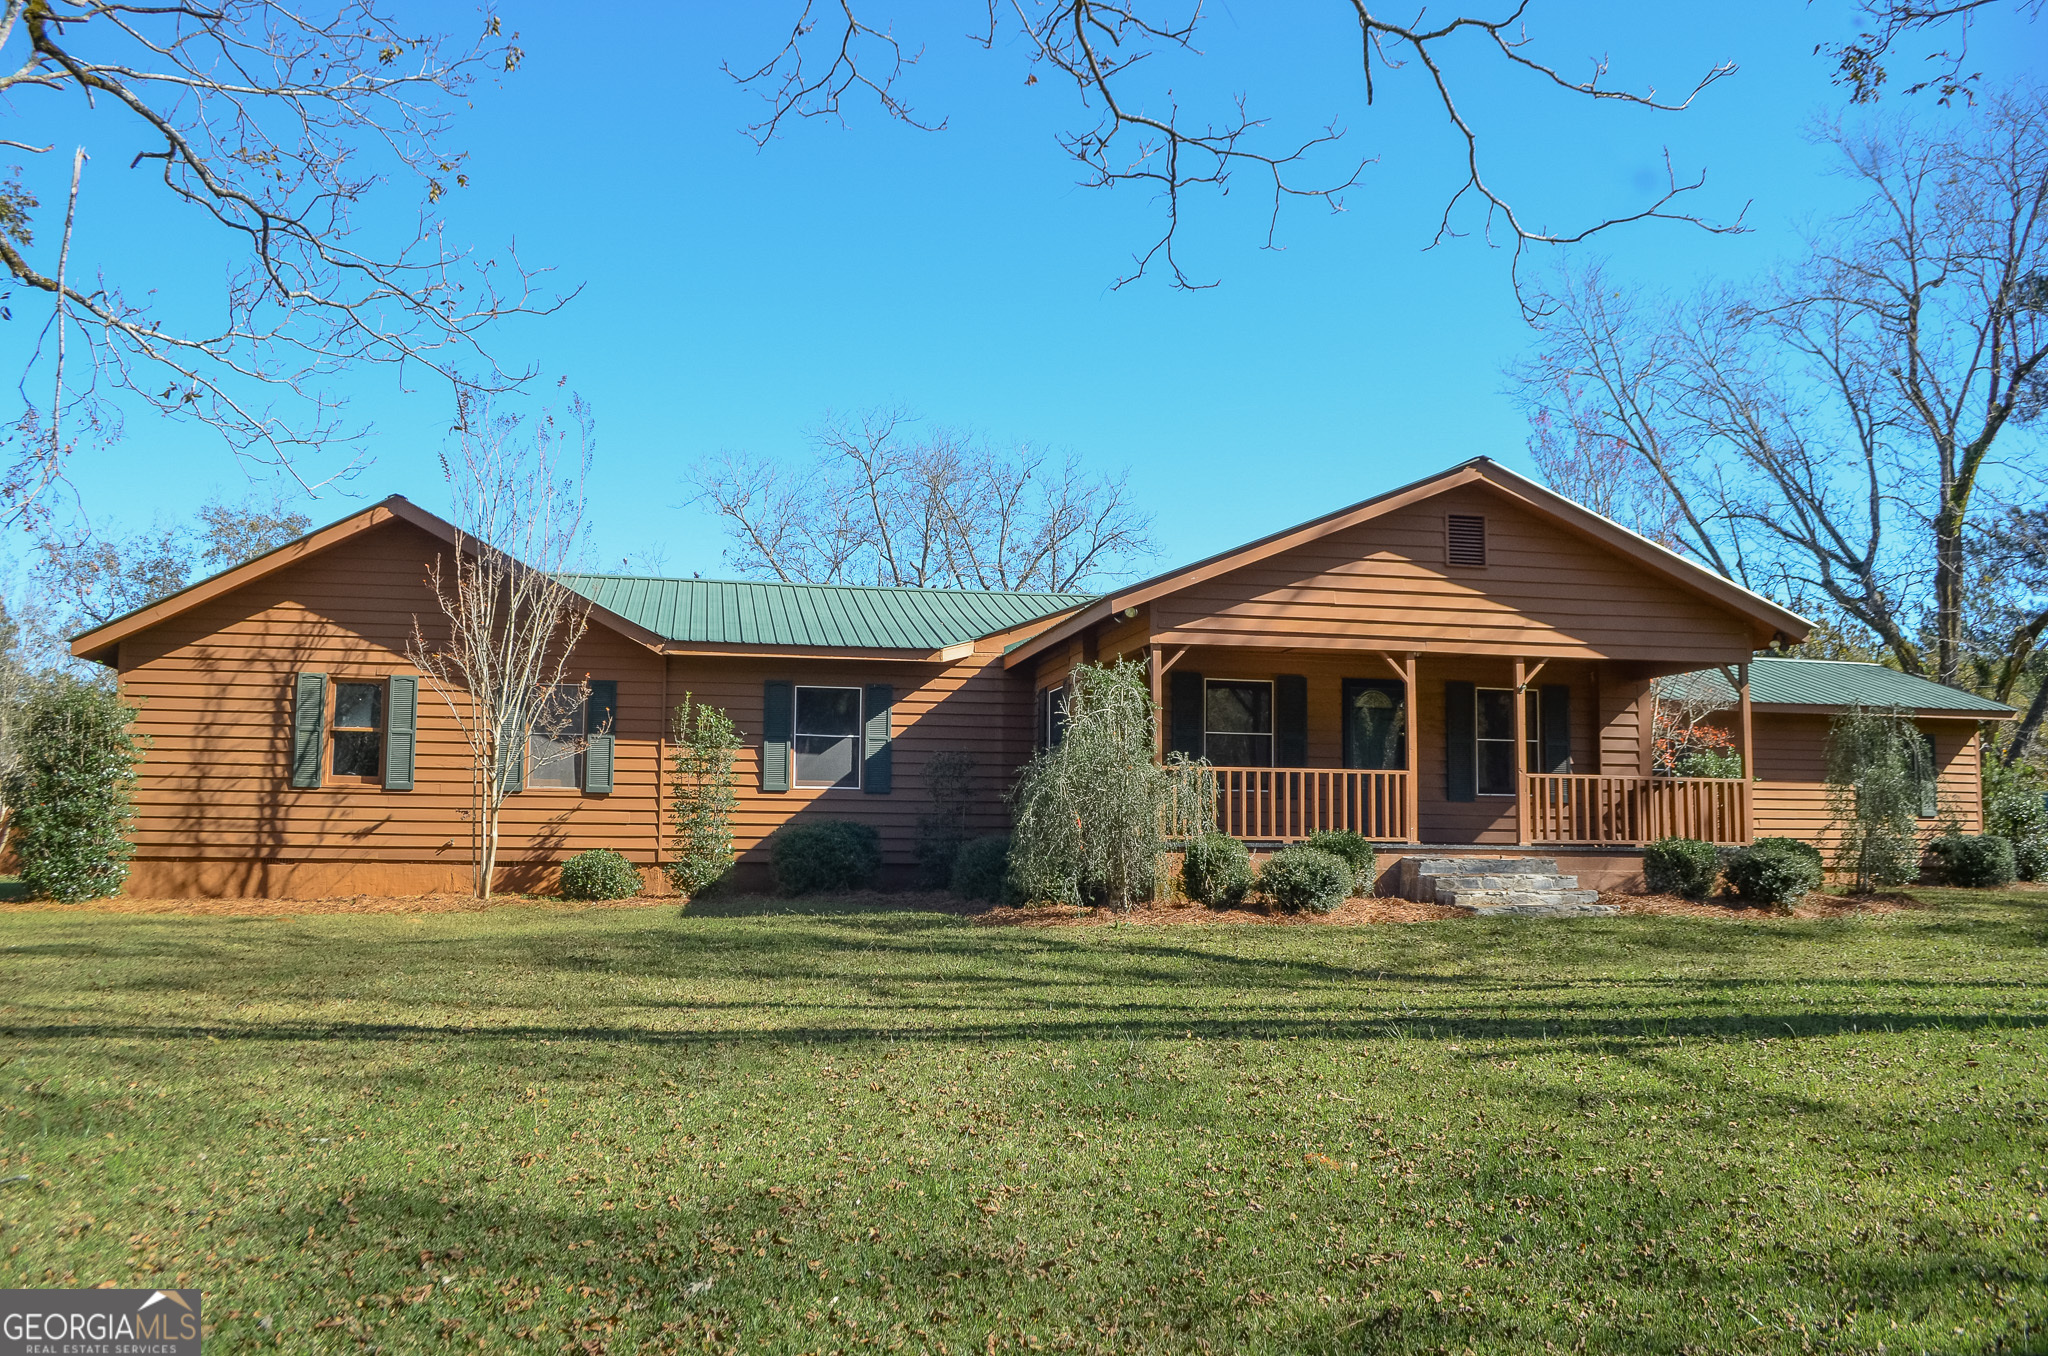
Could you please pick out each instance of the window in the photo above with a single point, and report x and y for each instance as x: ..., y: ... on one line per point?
x: 358, y: 731
x: 1926, y: 773
x: 554, y: 751
x: 1375, y: 723
x: 828, y: 740
x: 1237, y: 723
x: 1465, y: 539
x: 1052, y: 716
x: 1494, y: 728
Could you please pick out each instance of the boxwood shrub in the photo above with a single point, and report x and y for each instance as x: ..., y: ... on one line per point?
x: 1681, y: 866
x: 599, y: 874
x: 1216, y: 870
x: 825, y: 856
x: 1306, y: 878
x: 1354, y: 848
x: 70, y: 791
x: 1775, y: 871
x: 1973, y: 862
x: 981, y: 869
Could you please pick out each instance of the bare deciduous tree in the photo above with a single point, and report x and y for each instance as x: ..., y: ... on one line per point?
x: 1139, y: 133
x: 881, y: 505
x: 499, y: 654
x: 1836, y: 433
x: 87, y: 578
x: 272, y: 128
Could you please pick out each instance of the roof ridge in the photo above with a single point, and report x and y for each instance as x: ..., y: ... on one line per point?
x: 851, y: 588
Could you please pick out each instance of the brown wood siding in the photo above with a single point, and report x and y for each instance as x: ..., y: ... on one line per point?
x: 214, y: 686
x: 1544, y: 592
x: 972, y: 706
x: 1791, y: 756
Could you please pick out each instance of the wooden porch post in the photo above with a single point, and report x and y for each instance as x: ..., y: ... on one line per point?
x: 1413, y: 809
x: 1521, y: 757
x: 1748, y: 754
x: 1158, y: 703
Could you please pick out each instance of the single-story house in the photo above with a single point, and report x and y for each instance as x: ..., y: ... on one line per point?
x: 1463, y: 663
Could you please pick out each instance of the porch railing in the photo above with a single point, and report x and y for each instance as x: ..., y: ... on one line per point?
x: 1274, y: 804
x: 1634, y: 810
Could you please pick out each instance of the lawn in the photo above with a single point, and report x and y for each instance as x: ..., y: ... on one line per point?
x: 637, y: 1130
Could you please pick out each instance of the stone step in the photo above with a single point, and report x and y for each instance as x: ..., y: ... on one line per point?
x: 1482, y: 866
x: 1461, y: 899
x: 1435, y: 884
x: 1557, y: 909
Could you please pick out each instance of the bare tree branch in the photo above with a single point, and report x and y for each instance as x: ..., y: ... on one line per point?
x: 269, y: 129
x: 1860, y: 64
x: 880, y: 506
x: 1143, y: 136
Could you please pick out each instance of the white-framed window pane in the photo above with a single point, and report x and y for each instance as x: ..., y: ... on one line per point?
x: 1494, y: 724
x: 1237, y: 719
x: 1235, y: 750
x: 828, y: 736
x: 554, y: 751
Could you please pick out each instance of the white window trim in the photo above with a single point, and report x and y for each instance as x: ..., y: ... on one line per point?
x: 1532, y: 732
x: 1271, y: 736
x: 860, y: 727
x: 574, y: 762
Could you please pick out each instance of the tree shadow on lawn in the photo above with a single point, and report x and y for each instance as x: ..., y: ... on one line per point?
x: 630, y: 1271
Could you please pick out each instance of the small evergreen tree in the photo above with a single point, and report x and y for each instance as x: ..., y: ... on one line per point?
x: 2013, y: 809
x: 704, y: 793
x: 1092, y: 815
x: 1875, y: 792
x: 71, y: 790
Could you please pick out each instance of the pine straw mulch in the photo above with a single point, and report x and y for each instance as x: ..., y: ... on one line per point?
x: 293, y: 908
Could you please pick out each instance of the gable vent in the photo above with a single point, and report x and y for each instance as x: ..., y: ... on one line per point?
x: 1465, y: 541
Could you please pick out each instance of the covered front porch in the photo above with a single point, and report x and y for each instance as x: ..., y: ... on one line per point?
x: 1413, y: 747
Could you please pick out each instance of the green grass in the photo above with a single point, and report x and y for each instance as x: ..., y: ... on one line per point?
x: 622, y: 1130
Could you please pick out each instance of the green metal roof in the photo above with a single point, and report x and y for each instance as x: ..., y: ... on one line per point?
x: 1842, y: 682
x: 839, y: 616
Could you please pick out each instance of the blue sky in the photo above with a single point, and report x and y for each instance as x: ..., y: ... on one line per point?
x: 733, y: 297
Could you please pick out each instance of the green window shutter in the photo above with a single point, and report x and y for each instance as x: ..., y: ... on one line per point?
x: 778, y: 722
x: 878, y: 777
x: 1461, y: 742
x: 512, y: 758
x: 1184, y: 700
x: 309, y: 728
x: 1555, y: 711
x: 401, y: 729
x: 1290, y: 720
x: 600, y: 753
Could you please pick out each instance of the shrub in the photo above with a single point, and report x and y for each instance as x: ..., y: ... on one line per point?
x: 599, y: 874
x: 1354, y: 848
x: 1303, y: 877
x: 825, y: 856
x: 1775, y: 871
x: 70, y: 791
x: 1216, y: 870
x: 2013, y: 809
x: 1681, y: 866
x: 1973, y: 862
x: 981, y: 869
x: 704, y: 791
x: 949, y: 781
x: 1091, y: 815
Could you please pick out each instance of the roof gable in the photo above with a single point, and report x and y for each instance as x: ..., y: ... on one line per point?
x: 1765, y: 617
